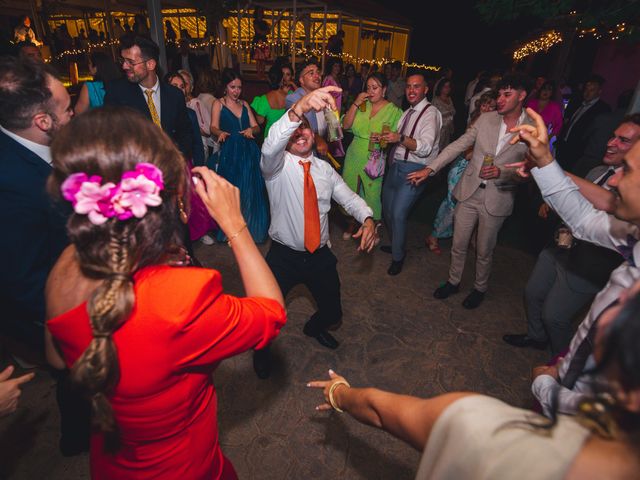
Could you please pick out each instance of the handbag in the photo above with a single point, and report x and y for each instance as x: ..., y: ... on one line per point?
x: 375, y: 165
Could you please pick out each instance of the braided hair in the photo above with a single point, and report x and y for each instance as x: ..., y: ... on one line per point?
x: 108, y: 142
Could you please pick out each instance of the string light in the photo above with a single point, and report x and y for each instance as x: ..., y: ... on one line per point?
x: 243, y: 47
x: 542, y: 43
x: 612, y: 33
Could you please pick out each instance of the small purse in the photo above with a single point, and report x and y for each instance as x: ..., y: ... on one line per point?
x: 376, y: 164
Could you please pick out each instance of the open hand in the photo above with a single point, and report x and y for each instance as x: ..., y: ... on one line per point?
x: 247, y: 133
x: 222, y: 137
x: 416, y: 178
x: 368, y: 234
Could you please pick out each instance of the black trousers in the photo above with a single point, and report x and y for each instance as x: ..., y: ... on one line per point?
x: 317, y: 271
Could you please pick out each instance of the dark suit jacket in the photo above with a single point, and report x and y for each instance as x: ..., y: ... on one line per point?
x: 173, y: 109
x: 570, y: 150
x: 33, y: 236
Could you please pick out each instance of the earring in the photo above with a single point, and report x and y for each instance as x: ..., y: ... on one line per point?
x: 184, y: 218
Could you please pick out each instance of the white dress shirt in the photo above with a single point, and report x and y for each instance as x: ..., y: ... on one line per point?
x: 284, y: 178
x: 598, y: 227
x: 155, y: 96
x: 43, y: 151
x: 426, y: 135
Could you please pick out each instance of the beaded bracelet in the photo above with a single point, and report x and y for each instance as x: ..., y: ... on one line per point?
x: 332, y: 389
x: 232, y: 237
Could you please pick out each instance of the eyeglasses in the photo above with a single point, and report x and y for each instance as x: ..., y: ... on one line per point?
x: 131, y: 63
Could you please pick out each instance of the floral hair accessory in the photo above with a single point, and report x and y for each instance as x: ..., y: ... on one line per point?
x: 137, y: 190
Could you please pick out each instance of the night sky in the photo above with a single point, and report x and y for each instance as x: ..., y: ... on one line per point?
x: 451, y: 33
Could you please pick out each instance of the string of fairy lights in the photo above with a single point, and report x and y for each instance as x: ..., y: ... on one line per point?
x: 547, y: 40
x: 250, y: 46
x: 542, y: 43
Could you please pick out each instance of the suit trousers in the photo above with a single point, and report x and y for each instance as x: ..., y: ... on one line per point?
x: 553, y: 295
x: 398, y: 196
x: 468, y: 214
x: 317, y: 271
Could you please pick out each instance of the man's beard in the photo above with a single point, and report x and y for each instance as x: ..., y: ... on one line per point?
x: 55, y: 126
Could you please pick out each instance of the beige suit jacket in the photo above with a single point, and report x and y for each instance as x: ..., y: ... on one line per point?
x: 483, y: 136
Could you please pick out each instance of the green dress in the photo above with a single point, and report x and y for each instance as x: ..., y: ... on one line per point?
x: 261, y: 106
x: 358, y: 154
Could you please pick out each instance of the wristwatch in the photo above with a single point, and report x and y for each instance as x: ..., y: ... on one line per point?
x: 402, y: 137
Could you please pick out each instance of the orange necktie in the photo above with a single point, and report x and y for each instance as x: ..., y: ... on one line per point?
x: 311, y: 212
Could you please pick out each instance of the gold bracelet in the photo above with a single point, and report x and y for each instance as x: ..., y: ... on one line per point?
x: 232, y: 237
x: 332, y: 389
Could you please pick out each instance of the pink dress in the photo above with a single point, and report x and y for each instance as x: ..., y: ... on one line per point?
x: 551, y: 114
x: 335, y: 148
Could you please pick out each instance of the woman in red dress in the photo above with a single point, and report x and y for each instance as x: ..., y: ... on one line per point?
x: 141, y: 334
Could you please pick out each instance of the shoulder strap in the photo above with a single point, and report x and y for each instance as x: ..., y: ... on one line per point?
x: 413, y: 129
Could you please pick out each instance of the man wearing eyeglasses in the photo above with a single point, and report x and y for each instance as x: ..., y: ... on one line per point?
x: 142, y: 90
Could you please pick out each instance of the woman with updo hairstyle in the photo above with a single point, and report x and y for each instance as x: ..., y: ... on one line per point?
x: 366, y: 117
x: 140, y: 331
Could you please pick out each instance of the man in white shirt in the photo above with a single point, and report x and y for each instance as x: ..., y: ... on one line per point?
x: 564, y: 280
x: 301, y: 187
x: 619, y: 232
x: 310, y: 79
x: 486, y: 191
x: 415, y: 145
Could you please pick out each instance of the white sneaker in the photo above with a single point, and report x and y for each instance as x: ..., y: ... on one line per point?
x: 207, y: 240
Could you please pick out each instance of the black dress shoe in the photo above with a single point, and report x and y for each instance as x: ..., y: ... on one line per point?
x: 446, y: 289
x: 523, y: 340
x: 473, y: 300
x: 386, y: 248
x: 395, y: 268
x: 262, y: 363
x: 324, y: 338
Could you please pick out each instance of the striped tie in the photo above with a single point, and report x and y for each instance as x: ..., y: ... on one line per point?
x: 152, y: 107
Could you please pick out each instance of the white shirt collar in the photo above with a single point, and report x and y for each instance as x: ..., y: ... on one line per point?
x: 420, y: 105
x: 154, y: 89
x: 43, y: 151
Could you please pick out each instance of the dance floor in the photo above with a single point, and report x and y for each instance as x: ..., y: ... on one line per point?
x: 395, y: 336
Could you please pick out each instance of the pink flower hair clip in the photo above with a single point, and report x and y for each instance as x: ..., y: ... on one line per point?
x: 137, y: 190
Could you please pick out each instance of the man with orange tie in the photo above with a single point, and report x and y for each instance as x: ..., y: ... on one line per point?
x: 300, y: 188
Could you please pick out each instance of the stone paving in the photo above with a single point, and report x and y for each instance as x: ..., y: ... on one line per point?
x: 395, y: 336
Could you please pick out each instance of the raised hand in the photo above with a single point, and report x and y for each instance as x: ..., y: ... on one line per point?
x: 221, y: 198
x: 536, y: 137
x: 317, y: 100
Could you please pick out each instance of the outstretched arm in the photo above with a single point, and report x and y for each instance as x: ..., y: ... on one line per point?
x: 410, y: 419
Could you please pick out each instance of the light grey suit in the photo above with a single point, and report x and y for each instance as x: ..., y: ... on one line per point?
x: 486, y: 207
